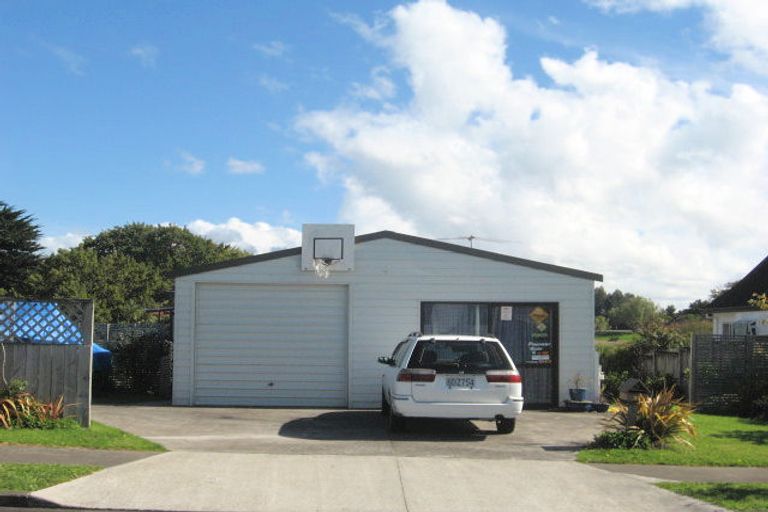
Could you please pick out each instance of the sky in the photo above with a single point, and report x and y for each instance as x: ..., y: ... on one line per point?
x: 623, y: 137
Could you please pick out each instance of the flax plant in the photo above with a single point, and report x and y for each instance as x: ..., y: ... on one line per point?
x: 657, y: 419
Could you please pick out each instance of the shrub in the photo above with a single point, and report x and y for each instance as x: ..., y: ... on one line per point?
x: 139, y: 365
x: 618, y: 358
x: 23, y: 410
x: 13, y: 388
x: 659, y: 417
x: 624, y: 439
x: 612, y: 383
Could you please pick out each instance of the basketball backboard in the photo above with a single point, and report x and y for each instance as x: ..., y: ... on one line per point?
x: 333, y: 244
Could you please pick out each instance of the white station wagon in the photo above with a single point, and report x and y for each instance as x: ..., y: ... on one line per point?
x: 451, y: 376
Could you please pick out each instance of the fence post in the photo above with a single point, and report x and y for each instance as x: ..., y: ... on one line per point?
x: 692, y: 371
x: 84, y: 393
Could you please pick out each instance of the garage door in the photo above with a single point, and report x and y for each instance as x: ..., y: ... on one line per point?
x: 271, y: 345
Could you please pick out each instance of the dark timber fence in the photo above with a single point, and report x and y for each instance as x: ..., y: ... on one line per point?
x: 722, y: 367
x: 47, y: 343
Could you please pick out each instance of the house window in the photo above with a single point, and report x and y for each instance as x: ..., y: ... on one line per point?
x: 454, y: 318
x: 527, y: 331
x: 726, y: 329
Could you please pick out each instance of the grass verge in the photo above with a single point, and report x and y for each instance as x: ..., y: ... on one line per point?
x: 99, y: 436
x: 721, y: 441
x: 741, y: 497
x: 32, y: 477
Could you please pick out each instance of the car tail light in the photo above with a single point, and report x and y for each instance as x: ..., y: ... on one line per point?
x: 416, y: 375
x: 503, y: 376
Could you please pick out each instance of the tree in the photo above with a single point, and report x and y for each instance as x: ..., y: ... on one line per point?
x: 670, y: 312
x: 121, y: 287
x: 19, y: 250
x: 633, y: 313
x: 759, y: 301
x: 167, y: 248
x: 601, y: 323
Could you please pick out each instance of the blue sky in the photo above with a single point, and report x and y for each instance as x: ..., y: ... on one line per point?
x: 119, y: 112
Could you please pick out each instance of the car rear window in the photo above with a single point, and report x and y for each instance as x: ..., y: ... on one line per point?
x: 449, y: 356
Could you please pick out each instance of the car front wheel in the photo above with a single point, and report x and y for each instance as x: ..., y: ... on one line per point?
x: 505, y: 425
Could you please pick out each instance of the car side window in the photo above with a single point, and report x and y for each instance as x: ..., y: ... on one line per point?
x: 399, y: 352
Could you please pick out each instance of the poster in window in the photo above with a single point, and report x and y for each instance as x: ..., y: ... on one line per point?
x: 540, y: 341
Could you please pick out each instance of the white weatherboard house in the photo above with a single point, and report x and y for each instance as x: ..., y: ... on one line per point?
x: 731, y: 312
x: 266, y: 330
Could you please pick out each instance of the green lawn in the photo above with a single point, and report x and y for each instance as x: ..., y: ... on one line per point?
x: 31, y: 477
x: 98, y: 436
x: 721, y: 441
x: 742, y: 497
x: 624, y: 337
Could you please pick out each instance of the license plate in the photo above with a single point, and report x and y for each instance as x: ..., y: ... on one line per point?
x: 460, y: 382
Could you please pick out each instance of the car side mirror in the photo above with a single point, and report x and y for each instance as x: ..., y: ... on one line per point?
x: 386, y: 360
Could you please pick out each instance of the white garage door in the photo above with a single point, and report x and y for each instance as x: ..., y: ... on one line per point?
x: 271, y: 345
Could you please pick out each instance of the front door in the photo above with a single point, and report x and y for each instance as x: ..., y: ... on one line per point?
x: 529, y: 333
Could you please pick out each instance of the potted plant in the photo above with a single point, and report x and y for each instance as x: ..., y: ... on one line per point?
x: 578, y: 392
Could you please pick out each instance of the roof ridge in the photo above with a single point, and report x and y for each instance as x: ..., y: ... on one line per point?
x: 413, y: 239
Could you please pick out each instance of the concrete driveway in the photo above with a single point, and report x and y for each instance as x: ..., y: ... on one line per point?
x: 540, y: 435
x: 280, y: 460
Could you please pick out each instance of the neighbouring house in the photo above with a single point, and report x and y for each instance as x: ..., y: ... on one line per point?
x: 268, y: 330
x: 731, y: 312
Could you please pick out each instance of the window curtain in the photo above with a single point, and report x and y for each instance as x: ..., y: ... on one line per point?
x: 468, y: 319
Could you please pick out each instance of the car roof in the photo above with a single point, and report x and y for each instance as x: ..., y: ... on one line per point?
x: 456, y: 337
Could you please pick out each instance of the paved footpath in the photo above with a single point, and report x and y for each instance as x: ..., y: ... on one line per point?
x: 47, y: 455
x: 201, y: 481
x: 690, y: 473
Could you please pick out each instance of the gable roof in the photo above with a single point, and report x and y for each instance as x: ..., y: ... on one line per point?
x: 416, y: 240
x: 737, y: 296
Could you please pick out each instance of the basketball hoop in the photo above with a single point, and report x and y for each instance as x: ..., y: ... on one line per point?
x: 323, y: 267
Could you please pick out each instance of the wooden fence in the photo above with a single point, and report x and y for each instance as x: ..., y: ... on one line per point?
x: 675, y: 362
x: 49, y: 345
x: 726, y: 367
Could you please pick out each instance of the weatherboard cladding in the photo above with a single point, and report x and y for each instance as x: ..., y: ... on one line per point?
x: 392, y: 278
x: 402, y: 238
x: 735, y: 299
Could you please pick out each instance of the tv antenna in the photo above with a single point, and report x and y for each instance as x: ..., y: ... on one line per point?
x: 471, y: 239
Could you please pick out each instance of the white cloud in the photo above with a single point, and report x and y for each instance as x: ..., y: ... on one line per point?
x: 258, y: 237
x: 146, y: 54
x: 73, y: 62
x: 244, y: 166
x: 51, y: 244
x: 271, y: 48
x: 190, y: 163
x: 272, y: 84
x: 739, y: 27
x: 615, y: 168
x: 381, y: 86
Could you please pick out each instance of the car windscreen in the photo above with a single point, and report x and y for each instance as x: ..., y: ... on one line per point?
x: 449, y: 356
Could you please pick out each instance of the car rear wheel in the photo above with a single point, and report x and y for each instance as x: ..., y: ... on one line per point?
x: 384, y: 405
x: 395, y: 423
x: 505, y: 425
